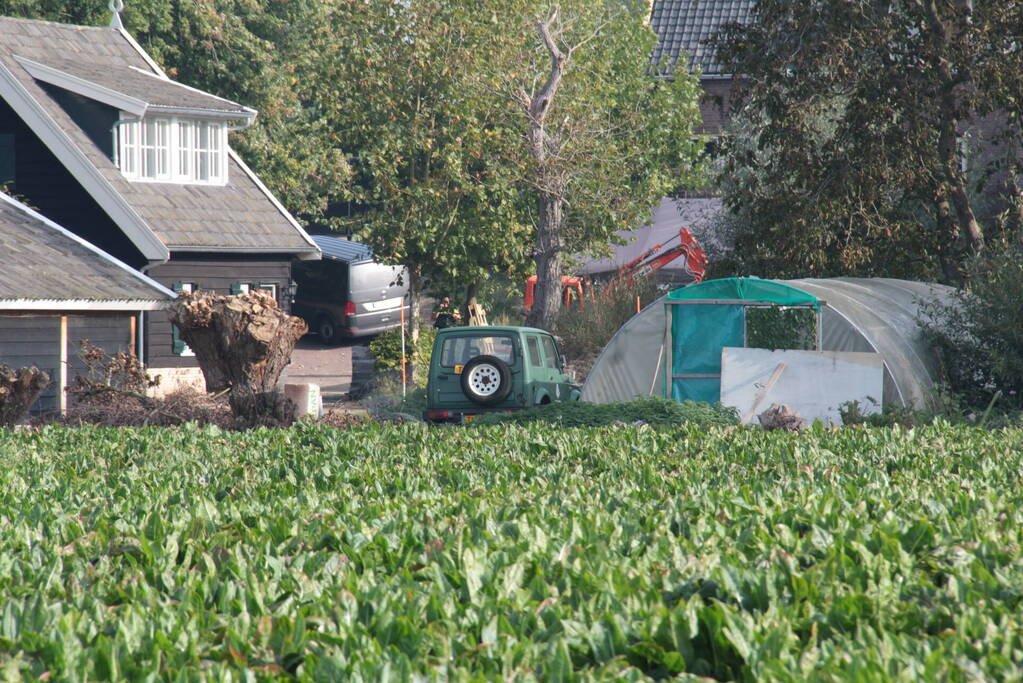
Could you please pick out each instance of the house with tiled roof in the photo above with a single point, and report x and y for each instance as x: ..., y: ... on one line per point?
x: 684, y: 31
x: 97, y: 138
x: 56, y: 291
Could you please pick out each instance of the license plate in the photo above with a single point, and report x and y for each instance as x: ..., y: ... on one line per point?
x: 468, y: 418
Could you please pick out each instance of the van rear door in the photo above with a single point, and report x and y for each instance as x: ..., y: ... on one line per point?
x: 378, y: 294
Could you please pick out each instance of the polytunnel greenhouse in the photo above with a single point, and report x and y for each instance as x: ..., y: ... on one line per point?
x: 686, y: 329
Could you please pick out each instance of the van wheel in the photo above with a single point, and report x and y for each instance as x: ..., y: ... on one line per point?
x: 327, y: 330
x: 486, y: 380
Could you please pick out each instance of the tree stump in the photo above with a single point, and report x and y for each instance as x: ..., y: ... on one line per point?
x: 19, y: 389
x: 242, y: 343
x: 781, y: 416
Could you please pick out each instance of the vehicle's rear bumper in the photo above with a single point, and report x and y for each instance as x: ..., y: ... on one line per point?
x: 460, y: 415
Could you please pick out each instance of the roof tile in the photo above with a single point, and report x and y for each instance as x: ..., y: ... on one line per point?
x: 688, y: 25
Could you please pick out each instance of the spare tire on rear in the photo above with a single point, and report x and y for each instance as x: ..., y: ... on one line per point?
x: 486, y: 380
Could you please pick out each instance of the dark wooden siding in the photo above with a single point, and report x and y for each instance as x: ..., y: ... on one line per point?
x: 96, y: 119
x: 44, y: 182
x: 33, y: 340
x: 715, y: 105
x: 110, y: 333
x: 209, y: 274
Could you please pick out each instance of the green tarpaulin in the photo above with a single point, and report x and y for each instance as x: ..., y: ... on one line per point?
x: 699, y: 331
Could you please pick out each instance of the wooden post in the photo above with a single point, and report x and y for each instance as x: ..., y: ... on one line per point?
x: 132, y: 331
x: 62, y: 370
x: 404, y: 378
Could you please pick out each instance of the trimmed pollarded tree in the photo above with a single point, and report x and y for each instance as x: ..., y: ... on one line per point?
x: 242, y: 344
x: 19, y: 389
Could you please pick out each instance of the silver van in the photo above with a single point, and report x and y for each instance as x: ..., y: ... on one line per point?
x: 347, y: 294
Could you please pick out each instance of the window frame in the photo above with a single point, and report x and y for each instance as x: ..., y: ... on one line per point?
x: 177, y: 155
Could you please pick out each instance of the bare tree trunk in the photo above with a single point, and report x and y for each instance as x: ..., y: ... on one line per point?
x: 949, y: 154
x: 544, y: 148
x: 415, y: 296
x: 19, y: 389
x: 548, y: 263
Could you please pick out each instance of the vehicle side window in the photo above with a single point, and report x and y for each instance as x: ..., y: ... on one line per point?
x: 534, y: 352
x: 550, y: 351
x: 460, y: 350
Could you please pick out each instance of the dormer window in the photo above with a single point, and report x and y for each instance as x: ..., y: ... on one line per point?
x: 173, y: 149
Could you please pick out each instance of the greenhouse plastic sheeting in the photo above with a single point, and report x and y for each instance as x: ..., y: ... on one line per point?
x: 874, y: 315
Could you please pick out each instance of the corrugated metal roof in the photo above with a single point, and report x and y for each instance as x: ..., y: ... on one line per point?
x: 238, y: 215
x: 42, y: 262
x: 342, y: 250
x: 688, y: 25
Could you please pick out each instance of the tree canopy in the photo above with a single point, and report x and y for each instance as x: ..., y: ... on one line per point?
x: 437, y: 129
x: 410, y: 115
x: 874, y: 137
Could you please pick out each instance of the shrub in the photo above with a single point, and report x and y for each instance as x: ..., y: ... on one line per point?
x: 979, y: 334
x: 386, y: 350
x: 654, y: 411
x: 585, y: 330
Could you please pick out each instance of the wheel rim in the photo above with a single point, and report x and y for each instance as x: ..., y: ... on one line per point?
x: 326, y: 329
x: 484, y: 380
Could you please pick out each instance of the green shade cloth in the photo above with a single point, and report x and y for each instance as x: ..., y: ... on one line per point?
x: 751, y: 289
x: 699, y: 331
x: 697, y: 334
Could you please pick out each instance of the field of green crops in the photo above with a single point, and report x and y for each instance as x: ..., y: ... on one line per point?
x: 511, y: 552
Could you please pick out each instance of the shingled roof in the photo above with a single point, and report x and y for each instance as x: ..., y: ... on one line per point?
x: 48, y: 267
x: 689, y: 25
x: 241, y: 216
x: 142, y: 90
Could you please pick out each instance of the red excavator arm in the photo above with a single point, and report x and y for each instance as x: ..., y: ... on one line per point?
x: 653, y: 259
x: 650, y: 261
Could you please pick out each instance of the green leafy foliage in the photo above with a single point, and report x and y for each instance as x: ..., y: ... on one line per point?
x: 979, y: 334
x: 512, y: 552
x: 586, y: 327
x: 386, y: 349
x: 772, y: 327
x: 853, y: 126
x: 657, y: 412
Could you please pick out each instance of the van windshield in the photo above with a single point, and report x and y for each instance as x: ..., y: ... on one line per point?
x: 460, y: 350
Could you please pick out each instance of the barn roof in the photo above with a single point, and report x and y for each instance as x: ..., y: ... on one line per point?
x: 49, y: 268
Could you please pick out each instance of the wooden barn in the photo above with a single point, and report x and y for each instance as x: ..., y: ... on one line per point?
x: 57, y: 290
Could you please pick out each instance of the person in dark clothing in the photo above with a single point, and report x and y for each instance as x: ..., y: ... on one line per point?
x: 444, y: 315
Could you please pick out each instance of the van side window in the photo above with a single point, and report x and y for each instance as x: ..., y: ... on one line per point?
x: 550, y: 351
x: 534, y: 352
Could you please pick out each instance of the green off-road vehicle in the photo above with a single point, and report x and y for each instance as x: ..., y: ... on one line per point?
x: 476, y: 370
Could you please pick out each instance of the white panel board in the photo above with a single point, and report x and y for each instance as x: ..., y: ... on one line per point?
x: 813, y: 383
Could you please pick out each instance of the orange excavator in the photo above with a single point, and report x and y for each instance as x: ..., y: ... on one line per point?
x: 653, y: 259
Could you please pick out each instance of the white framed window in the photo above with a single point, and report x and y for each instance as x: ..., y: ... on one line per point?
x: 173, y: 149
